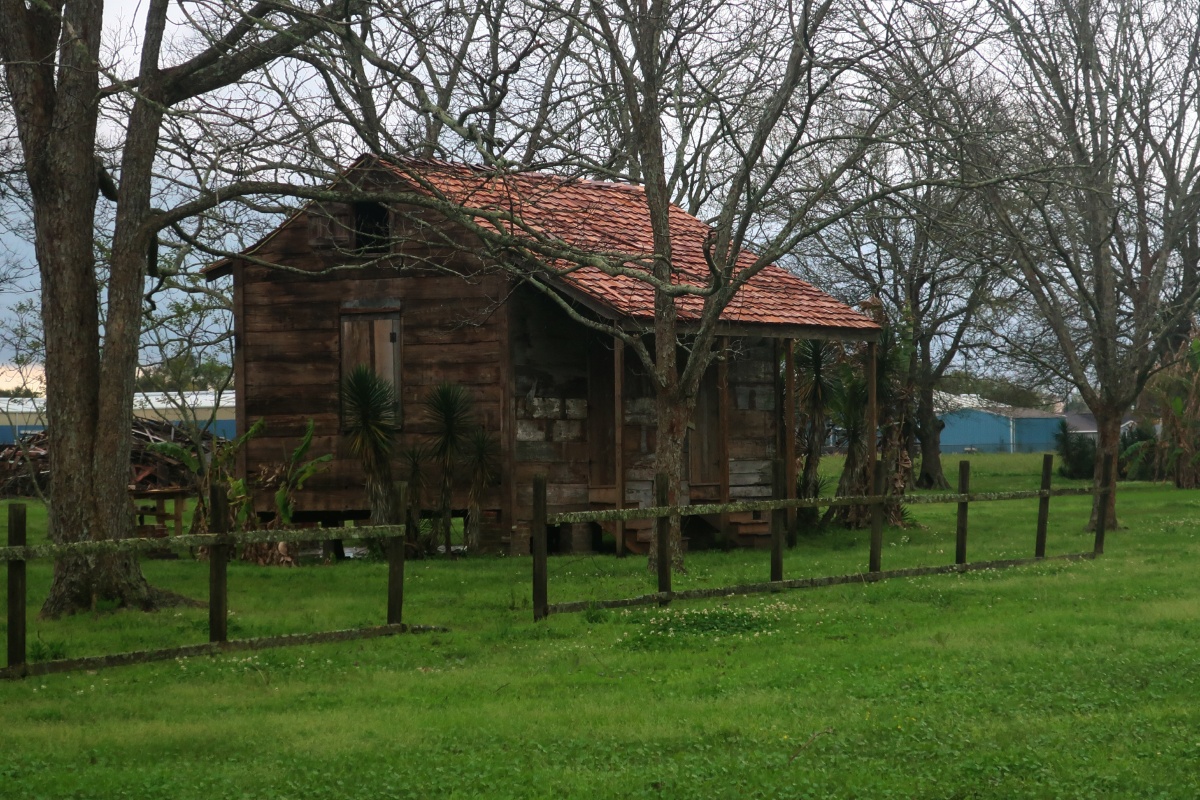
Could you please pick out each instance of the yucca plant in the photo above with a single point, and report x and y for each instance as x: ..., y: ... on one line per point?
x: 481, y: 460
x: 849, y: 413
x: 818, y: 386
x: 370, y: 423
x: 450, y: 415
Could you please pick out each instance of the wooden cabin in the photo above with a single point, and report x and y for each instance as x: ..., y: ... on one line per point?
x: 428, y: 300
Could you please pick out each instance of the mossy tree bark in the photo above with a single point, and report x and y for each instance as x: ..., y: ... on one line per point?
x: 929, y: 434
x: 51, y: 55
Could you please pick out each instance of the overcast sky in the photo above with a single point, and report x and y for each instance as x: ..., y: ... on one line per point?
x: 123, y: 21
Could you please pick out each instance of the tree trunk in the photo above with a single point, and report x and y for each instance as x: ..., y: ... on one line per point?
x: 471, y: 528
x: 810, y: 478
x: 672, y: 427
x: 1108, y: 448
x: 89, y: 392
x: 88, y: 477
x: 897, y: 468
x: 445, y: 500
x: 929, y: 433
x: 855, y: 481
x: 814, y: 440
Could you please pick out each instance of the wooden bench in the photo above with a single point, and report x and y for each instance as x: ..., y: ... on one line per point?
x: 157, y: 511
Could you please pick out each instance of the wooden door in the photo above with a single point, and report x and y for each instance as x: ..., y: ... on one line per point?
x: 373, y: 340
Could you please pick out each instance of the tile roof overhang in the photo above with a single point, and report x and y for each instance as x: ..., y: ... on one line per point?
x: 612, y: 221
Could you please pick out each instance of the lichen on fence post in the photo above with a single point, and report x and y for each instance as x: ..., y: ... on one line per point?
x: 1039, y: 548
x: 964, y: 488
x: 16, y: 591
x: 778, y: 519
x: 395, y: 556
x: 218, y: 558
x: 537, y: 541
x: 876, y: 557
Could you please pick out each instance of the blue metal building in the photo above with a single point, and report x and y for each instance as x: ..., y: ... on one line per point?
x: 999, y: 429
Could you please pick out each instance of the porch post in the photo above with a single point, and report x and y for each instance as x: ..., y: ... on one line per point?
x: 872, y: 404
x: 723, y: 406
x: 789, y: 420
x: 619, y: 438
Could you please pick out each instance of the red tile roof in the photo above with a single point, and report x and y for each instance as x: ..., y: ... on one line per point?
x: 613, y: 218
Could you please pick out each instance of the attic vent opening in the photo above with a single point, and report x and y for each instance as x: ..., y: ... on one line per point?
x: 372, y: 232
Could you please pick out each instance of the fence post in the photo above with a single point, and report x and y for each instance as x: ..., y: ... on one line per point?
x: 1106, y: 481
x: 663, y: 538
x: 537, y: 540
x: 778, y: 520
x: 964, y: 487
x: 1039, y: 550
x: 876, y: 559
x: 16, y: 591
x: 218, y: 558
x: 395, y: 556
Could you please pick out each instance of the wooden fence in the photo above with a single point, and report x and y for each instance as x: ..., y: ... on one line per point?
x: 662, y: 513
x: 220, y: 544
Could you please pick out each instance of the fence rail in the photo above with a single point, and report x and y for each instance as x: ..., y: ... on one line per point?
x: 662, y: 512
x: 220, y: 544
x: 806, y: 583
x: 709, y: 509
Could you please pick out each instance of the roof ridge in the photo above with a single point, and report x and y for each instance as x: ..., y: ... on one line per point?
x: 593, y: 216
x: 519, y: 173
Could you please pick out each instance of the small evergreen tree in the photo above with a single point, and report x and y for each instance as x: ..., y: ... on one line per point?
x: 1076, y: 453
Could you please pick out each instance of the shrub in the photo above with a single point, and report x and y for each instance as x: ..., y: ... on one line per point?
x: 1076, y: 453
x: 1138, y: 447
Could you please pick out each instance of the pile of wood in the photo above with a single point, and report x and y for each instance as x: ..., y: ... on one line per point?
x: 25, y: 466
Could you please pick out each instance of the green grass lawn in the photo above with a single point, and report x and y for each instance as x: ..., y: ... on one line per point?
x: 1071, y: 680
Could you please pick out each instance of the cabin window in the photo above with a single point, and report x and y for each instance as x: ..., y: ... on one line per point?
x: 372, y: 228
x: 374, y: 340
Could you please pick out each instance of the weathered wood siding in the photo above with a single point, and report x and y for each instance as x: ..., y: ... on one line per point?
x: 563, y: 408
x: 550, y: 403
x: 289, y: 353
x: 751, y: 398
x: 542, y: 382
x: 752, y: 417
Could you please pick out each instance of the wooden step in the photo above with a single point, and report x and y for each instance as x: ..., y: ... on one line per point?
x: 639, y: 541
x: 757, y: 541
x: 738, y: 528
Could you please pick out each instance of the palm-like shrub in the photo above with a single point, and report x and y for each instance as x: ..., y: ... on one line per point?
x: 450, y: 415
x: 481, y: 460
x: 370, y: 423
x: 818, y: 387
x: 849, y: 413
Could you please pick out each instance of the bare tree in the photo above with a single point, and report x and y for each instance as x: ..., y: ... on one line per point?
x: 1105, y: 98
x: 754, y: 116
x: 58, y: 87
x: 923, y: 252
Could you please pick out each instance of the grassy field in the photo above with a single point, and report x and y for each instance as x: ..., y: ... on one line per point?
x: 1057, y: 680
